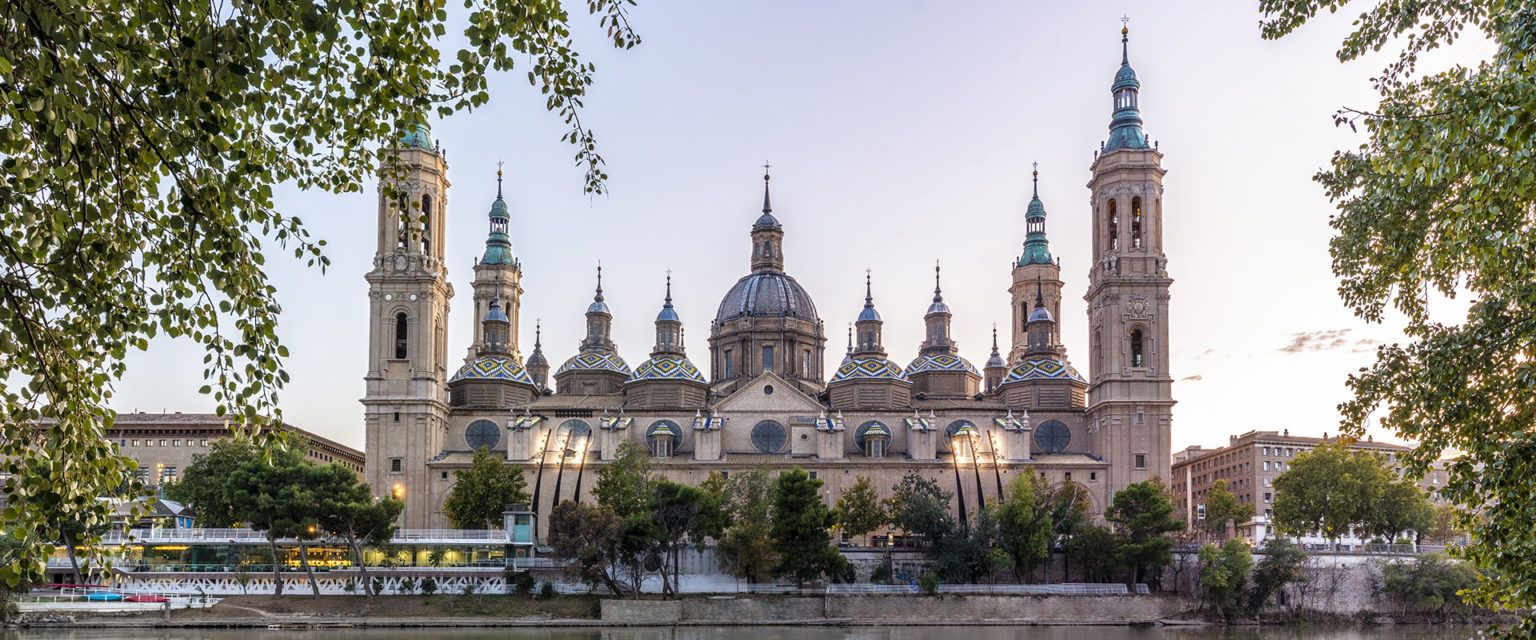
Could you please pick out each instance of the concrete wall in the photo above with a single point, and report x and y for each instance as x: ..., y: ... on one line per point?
x: 905, y: 609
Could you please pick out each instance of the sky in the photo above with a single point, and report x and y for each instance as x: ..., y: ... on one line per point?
x: 900, y: 133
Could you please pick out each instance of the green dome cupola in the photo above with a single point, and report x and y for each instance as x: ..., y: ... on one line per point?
x: 1037, y: 248
x: 417, y: 136
x: 1125, y: 127
x: 498, y: 245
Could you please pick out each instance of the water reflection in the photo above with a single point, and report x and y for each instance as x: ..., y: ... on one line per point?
x: 770, y: 633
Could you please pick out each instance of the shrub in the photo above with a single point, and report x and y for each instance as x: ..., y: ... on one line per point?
x: 407, y: 585
x: 1283, y: 564
x: 1224, y: 575
x: 928, y: 583
x: 1429, y: 582
x: 523, y: 583
x: 428, y: 586
x: 881, y: 574
x: 547, y: 590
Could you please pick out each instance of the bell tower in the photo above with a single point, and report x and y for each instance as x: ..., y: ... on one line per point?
x: 1130, y: 401
x: 405, y: 402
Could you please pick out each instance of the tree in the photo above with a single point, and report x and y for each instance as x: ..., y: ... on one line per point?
x: 1428, y: 582
x: 1221, y: 508
x: 1402, y: 507
x: 1437, y: 199
x: 347, y: 510
x: 588, y: 536
x: 142, y: 147
x: 1446, y: 528
x: 1096, y: 549
x: 270, y: 496
x: 747, y: 547
x: 919, y: 507
x: 481, y: 493
x: 204, y: 484
x: 1069, y: 516
x: 1025, y: 523
x: 676, y: 511
x: 1224, y: 576
x: 1330, y: 490
x: 859, y: 510
x: 16, y: 576
x: 972, y: 553
x: 1283, y: 564
x: 801, y: 523
x: 625, y: 487
x: 1142, y: 516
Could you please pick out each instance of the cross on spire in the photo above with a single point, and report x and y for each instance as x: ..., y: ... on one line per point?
x: 1036, y: 176
x: 498, y: 178
x: 1125, y: 36
x: 669, y: 286
x: 767, y: 208
x: 869, y: 295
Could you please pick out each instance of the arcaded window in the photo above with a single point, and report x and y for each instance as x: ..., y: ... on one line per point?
x: 729, y: 360
x: 767, y: 357
x: 402, y: 224
x: 1136, y: 217
x: 1114, y: 226
x: 1137, y: 348
x: 401, y: 328
x: 426, y: 224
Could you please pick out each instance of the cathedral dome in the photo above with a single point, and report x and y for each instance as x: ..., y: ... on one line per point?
x: 595, y: 361
x: 1040, y: 314
x: 493, y: 367
x: 868, y: 368
x: 940, y: 362
x: 767, y: 294
x: 667, y: 367
x: 1042, y: 368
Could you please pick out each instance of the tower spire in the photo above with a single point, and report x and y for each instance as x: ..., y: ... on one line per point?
x: 1125, y: 39
x: 1037, y: 247
x: 1036, y: 176
x: 599, y: 296
x: 1125, y: 127
x: 1039, y: 293
x: 850, y: 338
x: 869, y: 296
x: 498, y: 179
x: 938, y: 292
x: 767, y: 207
x: 995, y: 353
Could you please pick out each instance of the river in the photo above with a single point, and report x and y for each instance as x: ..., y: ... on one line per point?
x: 774, y: 633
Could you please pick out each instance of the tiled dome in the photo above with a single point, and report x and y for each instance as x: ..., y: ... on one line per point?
x: 868, y: 368
x: 1042, y: 368
x: 493, y: 368
x: 666, y: 367
x: 595, y: 361
x: 940, y: 362
x: 767, y: 294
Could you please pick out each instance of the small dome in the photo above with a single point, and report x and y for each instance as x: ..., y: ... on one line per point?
x: 667, y: 368
x: 668, y: 314
x: 940, y: 362
x: 493, y: 368
x: 938, y: 306
x: 766, y: 221
x: 595, y: 361
x: 996, y: 361
x: 1126, y: 77
x: 537, y: 358
x: 1042, y: 368
x: 869, y: 315
x: 598, y: 306
x: 495, y: 314
x: 767, y: 294
x: 857, y: 368
x: 417, y: 137
x: 1040, y: 314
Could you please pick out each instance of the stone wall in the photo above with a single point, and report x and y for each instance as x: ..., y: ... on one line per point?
x: 897, y: 609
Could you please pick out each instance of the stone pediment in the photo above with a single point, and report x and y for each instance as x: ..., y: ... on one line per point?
x: 768, y: 393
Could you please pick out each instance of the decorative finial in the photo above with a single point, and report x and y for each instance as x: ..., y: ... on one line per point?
x: 850, y: 338
x: 1125, y: 38
x: 767, y: 208
x: 1039, y: 293
x: 498, y: 179
x: 938, y: 293
x: 869, y: 295
x: 599, y: 296
x: 1037, y: 179
x: 669, y: 288
x: 538, y: 333
x: 994, y: 339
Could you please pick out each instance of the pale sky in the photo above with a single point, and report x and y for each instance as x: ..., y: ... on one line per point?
x: 900, y: 133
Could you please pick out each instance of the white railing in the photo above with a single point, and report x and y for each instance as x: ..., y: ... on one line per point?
x: 242, y: 535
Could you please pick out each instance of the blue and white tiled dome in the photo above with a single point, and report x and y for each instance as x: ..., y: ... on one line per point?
x: 665, y: 367
x: 868, y: 368
x: 940, y: 362
x: 767, y: 294
x: 1042, y: 368
x: 493, y: 368
x: 595, y: 361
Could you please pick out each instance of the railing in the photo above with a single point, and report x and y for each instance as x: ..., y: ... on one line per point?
x: 403, y: 536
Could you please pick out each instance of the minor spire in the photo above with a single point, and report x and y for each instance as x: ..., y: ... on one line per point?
x: 599, y: 296
x: 994, y: 340
x: 669, y: 290
x: 1125, y: 39
x: 938, y: 293
x: 1039, y: 293
x: 767, y: 208
x: 869, y: 295
x: 498, y: 179
x: 850, y: 338
x: 538, y: 334
x: 1037, y: 180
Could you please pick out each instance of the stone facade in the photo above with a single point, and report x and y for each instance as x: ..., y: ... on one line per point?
x: 766, y: 400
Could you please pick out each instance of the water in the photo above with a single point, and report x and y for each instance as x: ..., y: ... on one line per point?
x: 773, y: 633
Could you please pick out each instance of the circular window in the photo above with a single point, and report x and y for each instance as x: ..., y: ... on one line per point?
x: 575, y: 429
x: 1052, y: 437
x: 956, y: 426
x: 769, y: 436
x: 574, y: 435
x: 663, y: 428
x: 768, y: 389
x: 858, y: 434
x: 482, y: 433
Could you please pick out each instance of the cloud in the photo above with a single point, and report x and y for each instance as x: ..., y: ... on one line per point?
x: 1206, y: 353
x: 1327, y: 340
x: 1194, y: 378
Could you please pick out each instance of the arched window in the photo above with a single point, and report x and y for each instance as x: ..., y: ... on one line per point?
x: 402, y: 224
x: 1136, y: 348
x: 426, y: 224
x: 1098, y: 351
x: 401, y: 327
x: 1114, y: 226
x: 1136, y: 216
x: 768, y: 249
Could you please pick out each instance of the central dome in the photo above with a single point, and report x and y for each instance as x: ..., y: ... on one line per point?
x: 768, y: 294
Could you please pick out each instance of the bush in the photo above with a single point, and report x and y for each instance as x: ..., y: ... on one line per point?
x: 1427, y: 583
x: 881, y: 574
x: 407, y: 586
x: 547, y: 590
x: 428, y: 586
x: 928, y: 583
x: 1283, y: 564
x: 523, y: 583
x: 1224, y: 576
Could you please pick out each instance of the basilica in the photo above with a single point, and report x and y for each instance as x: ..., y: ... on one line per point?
x: 761, y: 397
